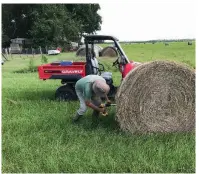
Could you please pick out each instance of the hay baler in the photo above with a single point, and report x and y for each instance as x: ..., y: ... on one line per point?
x: 70, y: 72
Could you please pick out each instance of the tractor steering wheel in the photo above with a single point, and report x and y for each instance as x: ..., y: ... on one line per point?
x: 101, y: 68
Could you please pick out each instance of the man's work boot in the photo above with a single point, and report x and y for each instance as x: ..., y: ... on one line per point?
x: 76, y: 118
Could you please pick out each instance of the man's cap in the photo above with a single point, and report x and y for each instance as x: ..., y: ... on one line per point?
x: 100, y: 88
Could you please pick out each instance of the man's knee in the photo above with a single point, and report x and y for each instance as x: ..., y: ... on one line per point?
x: 82, y: 110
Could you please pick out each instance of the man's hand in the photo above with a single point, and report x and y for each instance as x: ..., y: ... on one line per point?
x: 102, y: 105
x: 108, y: 102
x: 104, y: 114
x: 99, y: 109
x: 102, y: 110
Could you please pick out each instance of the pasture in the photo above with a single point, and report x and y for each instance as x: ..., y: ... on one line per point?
x: 39, y: 137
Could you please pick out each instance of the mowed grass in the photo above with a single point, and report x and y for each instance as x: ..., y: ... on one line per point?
x: 38, y: 136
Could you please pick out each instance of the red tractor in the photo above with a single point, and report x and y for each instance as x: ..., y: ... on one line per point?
x: 70, y: 72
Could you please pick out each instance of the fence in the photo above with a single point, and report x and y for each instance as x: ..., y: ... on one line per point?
x: 26, y: 51
x: 38, y: 50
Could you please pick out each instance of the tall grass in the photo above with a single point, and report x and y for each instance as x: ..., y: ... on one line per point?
x: 38, y: 135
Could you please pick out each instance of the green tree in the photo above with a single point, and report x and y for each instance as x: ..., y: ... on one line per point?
x: 87, y: 14
x: 54, y: 26
x: 17, y: 19
x: 50, y: 24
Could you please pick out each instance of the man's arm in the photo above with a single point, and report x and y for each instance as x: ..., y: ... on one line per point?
x: 107, y: 100
x: 91, y: 105
x: 87, y: 97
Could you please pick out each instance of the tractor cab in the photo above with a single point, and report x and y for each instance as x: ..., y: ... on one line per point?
x: 92, y: 64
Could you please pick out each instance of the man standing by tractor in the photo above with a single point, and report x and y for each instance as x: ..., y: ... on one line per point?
x: 89, y: 90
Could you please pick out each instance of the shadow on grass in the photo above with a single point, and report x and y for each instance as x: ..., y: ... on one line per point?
x: 27, y: 70
x: 107, y: 123
x: 36, y: 95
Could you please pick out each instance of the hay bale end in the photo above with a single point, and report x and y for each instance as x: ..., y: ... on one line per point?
x: 109, y: 51
x: 157, y: 97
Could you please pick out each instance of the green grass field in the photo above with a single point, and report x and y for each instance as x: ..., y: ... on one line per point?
x: 38, y: 136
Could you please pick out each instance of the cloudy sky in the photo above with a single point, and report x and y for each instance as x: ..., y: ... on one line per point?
x: 146, y: 20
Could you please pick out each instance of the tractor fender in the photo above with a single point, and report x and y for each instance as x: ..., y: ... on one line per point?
x: 127, y: 68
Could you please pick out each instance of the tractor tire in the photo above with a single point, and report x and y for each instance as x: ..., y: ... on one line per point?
x: 65, y: 93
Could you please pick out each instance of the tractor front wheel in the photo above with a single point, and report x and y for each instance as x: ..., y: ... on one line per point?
x: 65, y: 93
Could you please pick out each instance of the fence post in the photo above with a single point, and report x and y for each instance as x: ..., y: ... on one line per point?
x: 40, y: 50
x: 27, y: 52
x: 9, y: 52
x: 32, y: 52
x: 6, y: 51
x: 20, y: 52
x: 46, y: 50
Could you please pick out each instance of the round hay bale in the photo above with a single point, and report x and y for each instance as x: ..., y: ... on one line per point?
x: 157, y: 97
x: 166, y: 44
x: 98, y: 49
x: 109, y: 52
x: 189, y: 43
x: 82, y: 50
x: 137, y: 64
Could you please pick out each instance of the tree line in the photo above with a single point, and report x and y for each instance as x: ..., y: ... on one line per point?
x: 160, y: 40
x: 49, y: 24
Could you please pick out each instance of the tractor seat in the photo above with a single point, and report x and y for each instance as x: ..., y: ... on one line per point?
x: 108, y: 77
x: 95, y: 65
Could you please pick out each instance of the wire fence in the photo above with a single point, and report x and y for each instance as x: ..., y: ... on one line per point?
x: 26, y: 50
x: 7, y: 53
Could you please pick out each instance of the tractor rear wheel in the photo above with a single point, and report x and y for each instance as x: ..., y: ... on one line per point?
x: 65, y: 93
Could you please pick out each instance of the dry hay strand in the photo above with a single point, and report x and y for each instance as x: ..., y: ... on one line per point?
x: 157, y: 96
x: 109, y: 52
x: 137, y: 64
x: 10, y: 101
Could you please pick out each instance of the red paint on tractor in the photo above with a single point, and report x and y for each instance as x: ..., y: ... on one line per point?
x: 47, y: 70
x: 127, y: 68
